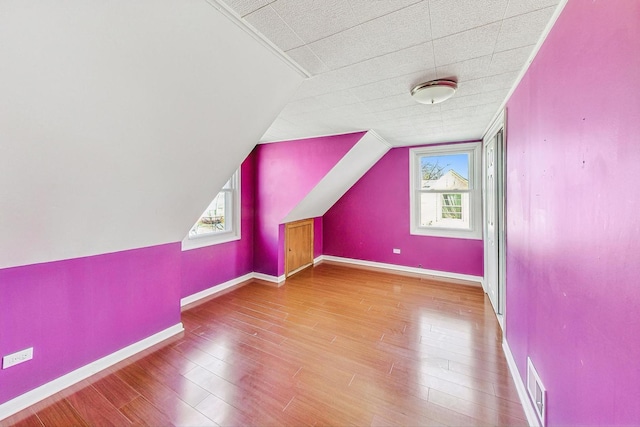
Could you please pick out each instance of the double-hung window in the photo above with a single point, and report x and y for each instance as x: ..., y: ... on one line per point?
x: 446, y: 198
x: 220, y: 222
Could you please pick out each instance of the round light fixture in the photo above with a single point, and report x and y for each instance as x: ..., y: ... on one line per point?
x: 434, y: 91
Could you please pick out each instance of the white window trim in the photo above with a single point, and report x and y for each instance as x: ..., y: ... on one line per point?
x: 475, y: 193
x: 195, y: 242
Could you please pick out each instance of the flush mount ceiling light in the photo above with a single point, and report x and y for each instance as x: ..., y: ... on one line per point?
x: 434, y: 91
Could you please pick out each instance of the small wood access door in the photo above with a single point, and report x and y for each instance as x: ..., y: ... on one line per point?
x: 298, y: 241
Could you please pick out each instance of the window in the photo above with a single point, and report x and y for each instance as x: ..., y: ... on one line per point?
x: 445, y: 191
x: 220, y: 222
x: 452, y: 206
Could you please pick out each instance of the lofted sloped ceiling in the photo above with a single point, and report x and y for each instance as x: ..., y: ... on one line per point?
x: 119, y: 120
x: 366, y: 55
x: 358, y: 160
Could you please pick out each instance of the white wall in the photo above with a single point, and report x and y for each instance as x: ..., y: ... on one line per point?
x: 120, y: 120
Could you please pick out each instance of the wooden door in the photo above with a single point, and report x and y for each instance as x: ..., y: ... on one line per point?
x: 298, y: 236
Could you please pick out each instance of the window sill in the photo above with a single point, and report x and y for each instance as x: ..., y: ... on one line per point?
x: 204, y: 241
x: 449, y: 233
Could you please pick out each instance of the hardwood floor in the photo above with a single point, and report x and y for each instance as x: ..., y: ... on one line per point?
x: 334, y: 346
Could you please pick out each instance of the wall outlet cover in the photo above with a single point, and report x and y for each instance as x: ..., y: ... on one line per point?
x: 16, y: 358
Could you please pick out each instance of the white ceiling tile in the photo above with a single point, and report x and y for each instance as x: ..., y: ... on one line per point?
x: 454, y: 16
x: 307, y: 60
x: 492, y: 97
x: 245, y: 7
x: 340, y: 79
x: 269, y: 23
x: 423, y: 120
x: 398, y: 30
x: 426, y: 118
x: 428, y: 127
x: 392, y: 86
x: 406, y: 61
x: 510, y: 60
x: 332, y: 122
x: 381, y: 89
x: 461, y: 134
x: 487, y: 84
x: 469, y: 113
x: 338, y: 99
x: 344, y: 48
x: 365, y: 10
x: 313, y: 19
x: 424, y: 138
x: 391, y: 102
x: 317, y: 85
x: 463, y: 131
x: 466, y: 70
x: 425, y: 112
x: 466, y: 45
x: 366, y: 121
x: 405, y: 122
x: 523, y: 30
x: 518, y: 7
x: 377, y: 50
x: 373, y: 38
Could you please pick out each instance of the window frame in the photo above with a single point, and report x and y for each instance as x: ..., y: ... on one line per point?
x: 224, y: 236
x: 473, y: 150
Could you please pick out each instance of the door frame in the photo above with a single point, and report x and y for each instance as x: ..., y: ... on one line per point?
x: 499, y: 124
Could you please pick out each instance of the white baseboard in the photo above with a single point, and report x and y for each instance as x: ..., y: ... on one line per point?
x: 266, y: 277
x: 477, y: 280
x: 215, y: 289
x: 318, y: 259
x: 228, y: 284
x: 529, y: 410
x: 37, y: 394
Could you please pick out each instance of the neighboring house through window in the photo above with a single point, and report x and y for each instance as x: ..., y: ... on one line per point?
x: 220, y: 222
x: 445, y: 191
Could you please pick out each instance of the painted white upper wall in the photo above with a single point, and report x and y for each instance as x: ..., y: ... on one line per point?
x: 120, y: 120
x: 358, y: 160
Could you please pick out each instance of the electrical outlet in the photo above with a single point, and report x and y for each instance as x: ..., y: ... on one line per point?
x: 396, y: 251
x: 17, y: 357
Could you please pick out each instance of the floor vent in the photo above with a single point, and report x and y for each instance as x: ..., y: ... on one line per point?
x: 537, y: 392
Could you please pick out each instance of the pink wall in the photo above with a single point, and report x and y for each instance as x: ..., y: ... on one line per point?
x: 76, y: 311
x: 285, y: 173
x: 372, y: 218
x: 573, y: 233
x: 205, y: 267
x: 317, y: 237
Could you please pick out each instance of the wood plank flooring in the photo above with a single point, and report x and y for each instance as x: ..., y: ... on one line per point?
x: 335, y: 345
